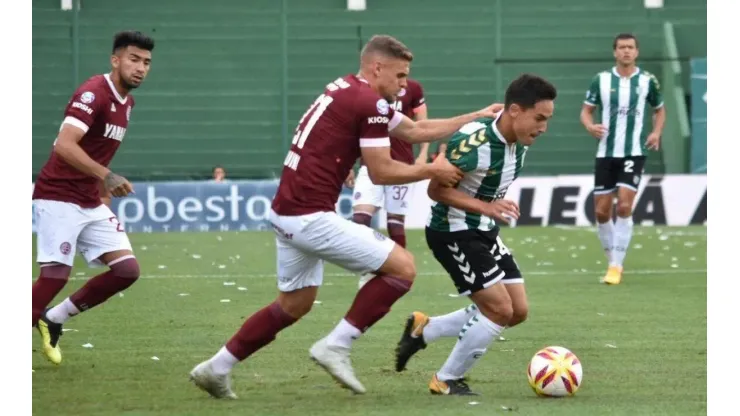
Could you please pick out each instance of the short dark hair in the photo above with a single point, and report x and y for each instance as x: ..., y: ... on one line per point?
x: 528, y: 90
x: 625, y: 36
x: 132, y: 38
x: 387, y: 46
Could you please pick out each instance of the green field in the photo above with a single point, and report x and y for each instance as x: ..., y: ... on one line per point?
x: 643, y: 343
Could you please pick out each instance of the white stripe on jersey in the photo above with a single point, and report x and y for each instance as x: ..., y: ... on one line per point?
x: 378, y: 142
x: 643, y: 86
x: 72, y: 121
x: 605, y: 84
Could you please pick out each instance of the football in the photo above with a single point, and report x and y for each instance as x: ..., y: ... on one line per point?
x: 555, y: 372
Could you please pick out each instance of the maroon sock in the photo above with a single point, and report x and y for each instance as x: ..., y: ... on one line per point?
x: 51, y: 281
x: 397, y: 232
x: 259, y: 330
x: 374, y: 300
x: 362, y: 218
x: 97, y: 290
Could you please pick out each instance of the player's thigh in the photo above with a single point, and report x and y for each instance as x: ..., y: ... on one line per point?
x: 58, y: 227
x: 467, y: 258
x: 605, y: 176
x: 296, y: 269
x: 327, y: 236
x: 103, y: 239
x: 504, y: 258
x: 397, y: 198
x: 630, y: 171
x: 366, y: 193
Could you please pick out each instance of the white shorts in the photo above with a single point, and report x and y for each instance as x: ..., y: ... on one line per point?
x: 63, y: 228
x: 396, y: 197
x: 305, y: 242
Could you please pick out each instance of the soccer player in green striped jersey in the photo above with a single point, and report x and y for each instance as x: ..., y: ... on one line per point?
x: 464, y: 238
x: 623, y: 94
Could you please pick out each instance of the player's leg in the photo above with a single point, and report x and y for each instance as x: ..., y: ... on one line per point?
x: 605, y: 181
x: 359, y: 249
x: 299, y: 276
x: 397, y: 204
x: 56, y: 241
x: 102, y: 242
x: 468, y: 258
x: 629, y: 179
x: 512, y: 281
x: 367, y: 198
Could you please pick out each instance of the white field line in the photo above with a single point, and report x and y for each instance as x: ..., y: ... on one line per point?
x: 441, y: 273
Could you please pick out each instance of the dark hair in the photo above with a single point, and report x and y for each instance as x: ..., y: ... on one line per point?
x: 625, y: 36
x: 528, y: 90
x: 387, y: 46
x: 132, y: 38
x: 218, y: 167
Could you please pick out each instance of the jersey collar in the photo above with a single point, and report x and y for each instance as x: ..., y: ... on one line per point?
x: 115, y: 91
x: 614, y: 71
x: 495, y: 129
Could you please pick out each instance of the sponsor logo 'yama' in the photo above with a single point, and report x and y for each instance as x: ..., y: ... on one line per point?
x: 114, y: 132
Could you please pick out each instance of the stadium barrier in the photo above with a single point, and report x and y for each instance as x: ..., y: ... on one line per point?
x: 674, y: 200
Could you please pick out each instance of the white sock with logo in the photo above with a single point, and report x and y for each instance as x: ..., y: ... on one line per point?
x: 622, y: 237
x: 448, y: 325
x: 343, y: 334
x: 606, y: 235
x: 474, y: 339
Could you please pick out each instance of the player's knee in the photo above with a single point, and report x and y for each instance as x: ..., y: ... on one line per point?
x: 603, y: 215
x: 128, y: 268
x: 519, y: 315
x: 297, y: 304
x: 55, y: 271
x: 408, y: 268
x: 498, y: 312
x: 624, y: 209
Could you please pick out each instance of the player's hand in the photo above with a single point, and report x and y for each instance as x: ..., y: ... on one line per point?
x: 653, y: 141
x: 491, y: 110
x: 503, y: 210
x: 445, y: 172
x: 117, y: 185
x: 597, y: 130
x: 350, y: 181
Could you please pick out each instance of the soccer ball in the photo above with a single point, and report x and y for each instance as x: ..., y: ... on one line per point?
x: 555, y: 372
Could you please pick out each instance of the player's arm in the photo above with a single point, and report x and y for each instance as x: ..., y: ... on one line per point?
x: 593, y: 97
x: 502, y: 210
x: 105, y: 195
x: 67, y: 146
x: 79, y: 116
x: 437, y: 129
x: 420, y: 113
x: 383, y: 170
x: 655, y: 99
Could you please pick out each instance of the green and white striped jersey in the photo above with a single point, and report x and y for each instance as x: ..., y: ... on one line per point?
x: 490, y: 165
x: 622, y: 101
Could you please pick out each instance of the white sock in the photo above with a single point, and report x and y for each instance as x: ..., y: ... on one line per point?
x: 63, y: 311
x: 223, y: 361
x: 448, y: 325
x: 606, y: 235
x: 623, y: 235
x: 475, y: 337
x: 343, y: 334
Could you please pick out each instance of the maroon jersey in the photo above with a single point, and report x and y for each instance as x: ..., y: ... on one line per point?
x: 409, y: 100
x: 347, y: 116
x: 97, y: 109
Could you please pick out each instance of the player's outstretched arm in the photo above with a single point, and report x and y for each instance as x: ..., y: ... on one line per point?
x: 439, y: 129
x: 68, y: 148
x: 502, y: 210
x: 383, y: 170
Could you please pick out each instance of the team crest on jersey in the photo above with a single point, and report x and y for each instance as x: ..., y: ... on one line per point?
x: 402, y: 92
x: 128, y: 113
x: 87, y: 97
x: 382, y: 106
x: 358, y: 195
x: 65, y: 248
x: 379, y: 236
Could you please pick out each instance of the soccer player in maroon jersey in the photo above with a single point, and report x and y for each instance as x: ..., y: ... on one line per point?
x: 351, y: 118
x: 69, y: 206
x: 369, y: 198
